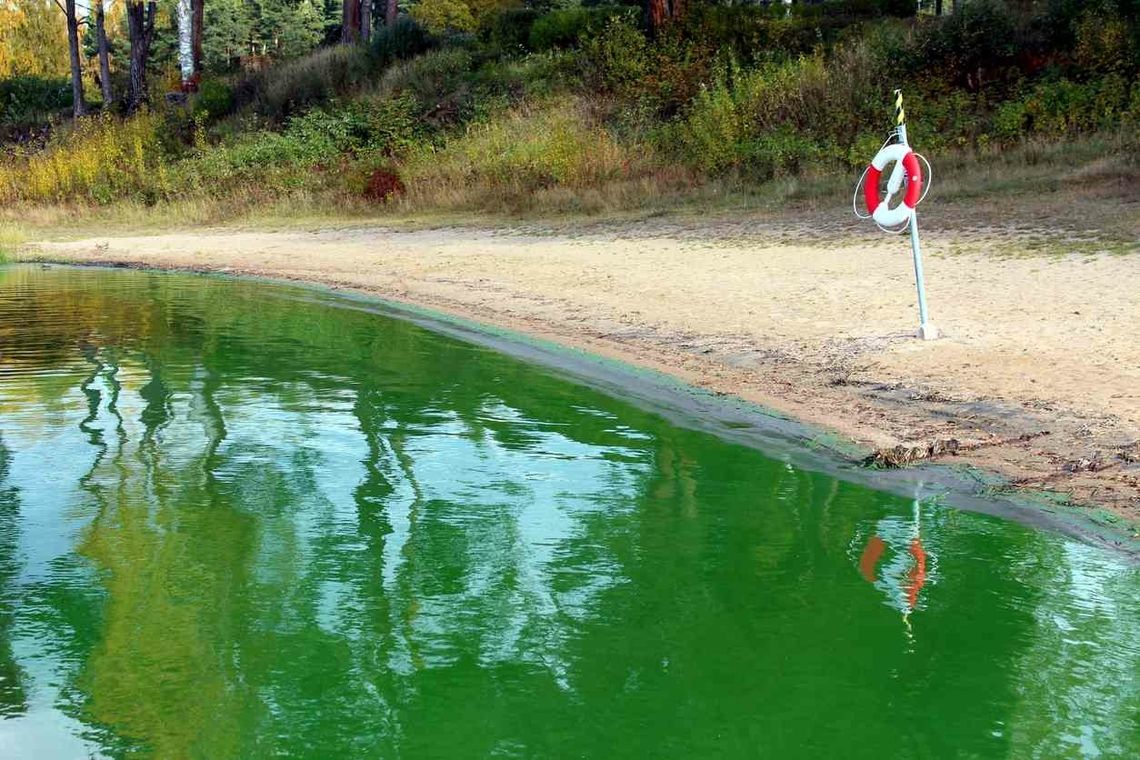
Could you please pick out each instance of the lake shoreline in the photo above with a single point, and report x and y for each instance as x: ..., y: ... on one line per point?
x: 861, y: 380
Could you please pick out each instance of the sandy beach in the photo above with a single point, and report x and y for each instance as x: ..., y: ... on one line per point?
x: 1036, y: 377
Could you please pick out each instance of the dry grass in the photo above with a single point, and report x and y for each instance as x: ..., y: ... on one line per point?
x: 555, y: 164
x: 545, y: 156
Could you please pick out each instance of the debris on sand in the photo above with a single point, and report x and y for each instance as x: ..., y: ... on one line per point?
x: 893, y: 457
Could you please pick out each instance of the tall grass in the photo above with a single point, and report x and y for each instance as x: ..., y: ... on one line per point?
x: 520, y: 152
x: 101, y: 159
x: 290, y: 88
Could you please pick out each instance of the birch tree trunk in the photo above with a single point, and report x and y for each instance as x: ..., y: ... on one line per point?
x: 365, y: 20
x: 185, y: 43
x: 391, y: 10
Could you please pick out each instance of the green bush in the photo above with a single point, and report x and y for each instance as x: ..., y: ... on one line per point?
x: 970, y: 46
x: 322, y: 136
x: 1059, y: 108
x: 779, y: 118
x: 534, y: 75
x: 403, y: 40
x: 653, y: 78
x: 27, y: 100
x: 1105, y: 45
x: 508, y: 31
x: 214, y: 100
x: 431, y: 78
x: 617, y: 58
x: 563, y: 28
x: 292, y: 87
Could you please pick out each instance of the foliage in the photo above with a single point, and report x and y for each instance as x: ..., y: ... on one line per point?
x: 434, y: 79
x: 488, y: 104
x: 226, y: 32
x: 281, y: 29
x: 289, y: 88
x: 33, y: 40
x: 761, y: 121
x: 509, y: 30
x: 444, y: 16
x: 289, y: 28
x: 1105, y: 45
x: 100, y: 159
x: 214, y: 99
x: 319, y: 137
x: 968, y: 46
x: 1062, y: 107
x: 28, y: 100
x: 563, y: 28
x: 452, y: 16
x: 657, y: 77
x: 403, y: 40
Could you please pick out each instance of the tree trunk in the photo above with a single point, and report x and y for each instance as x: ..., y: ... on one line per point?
x: 365, y: 20
x: 350, y: 22
x: 197, y: 24
x: 677, y: 10
x: 140, y: 28
x: 657, y: 12
x: 78, y: 103
x: 185, y: 45
x: 104, y: 57
x: 391, y: 10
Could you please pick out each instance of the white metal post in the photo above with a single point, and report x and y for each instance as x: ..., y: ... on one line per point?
x: 926, y: 330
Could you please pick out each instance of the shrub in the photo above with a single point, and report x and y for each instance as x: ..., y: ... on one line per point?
x: 509, y: 30
x: 563, y: 28
x: 404, y: 39
x: 1062, y: 107
x: 970, y: 45
x: 617, y: 59
x: 289, y: 88
x: 444, y: 16
x: 656, y: 78
x: 320, y: 137
x: 537, y: 74
x: 777, y: 118
x: 1105, y: 45
x: 28, y: 100
x: 214, y: 100
x: 437, y: 80
x: 383, y: 185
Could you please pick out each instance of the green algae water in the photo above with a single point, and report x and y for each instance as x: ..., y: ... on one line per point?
x: 238, y: 520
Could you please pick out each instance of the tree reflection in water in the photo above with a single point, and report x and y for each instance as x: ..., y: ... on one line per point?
x: 293, y: 529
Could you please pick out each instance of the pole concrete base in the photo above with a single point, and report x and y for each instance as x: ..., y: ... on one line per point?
x: 927, y: 332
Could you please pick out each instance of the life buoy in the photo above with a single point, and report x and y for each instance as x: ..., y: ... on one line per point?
x: 906, y: 163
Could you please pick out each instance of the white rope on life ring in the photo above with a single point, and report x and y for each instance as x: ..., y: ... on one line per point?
x: 906, y: 166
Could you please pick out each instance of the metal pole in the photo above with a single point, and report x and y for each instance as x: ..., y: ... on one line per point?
x: 926, y: 331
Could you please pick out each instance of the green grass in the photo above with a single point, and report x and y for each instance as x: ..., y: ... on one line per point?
x: 12, y: 237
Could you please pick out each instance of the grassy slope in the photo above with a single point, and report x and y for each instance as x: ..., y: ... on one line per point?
x: 566, y: 135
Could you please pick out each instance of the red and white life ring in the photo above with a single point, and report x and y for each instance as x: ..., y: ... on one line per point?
x: 906, y: 161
